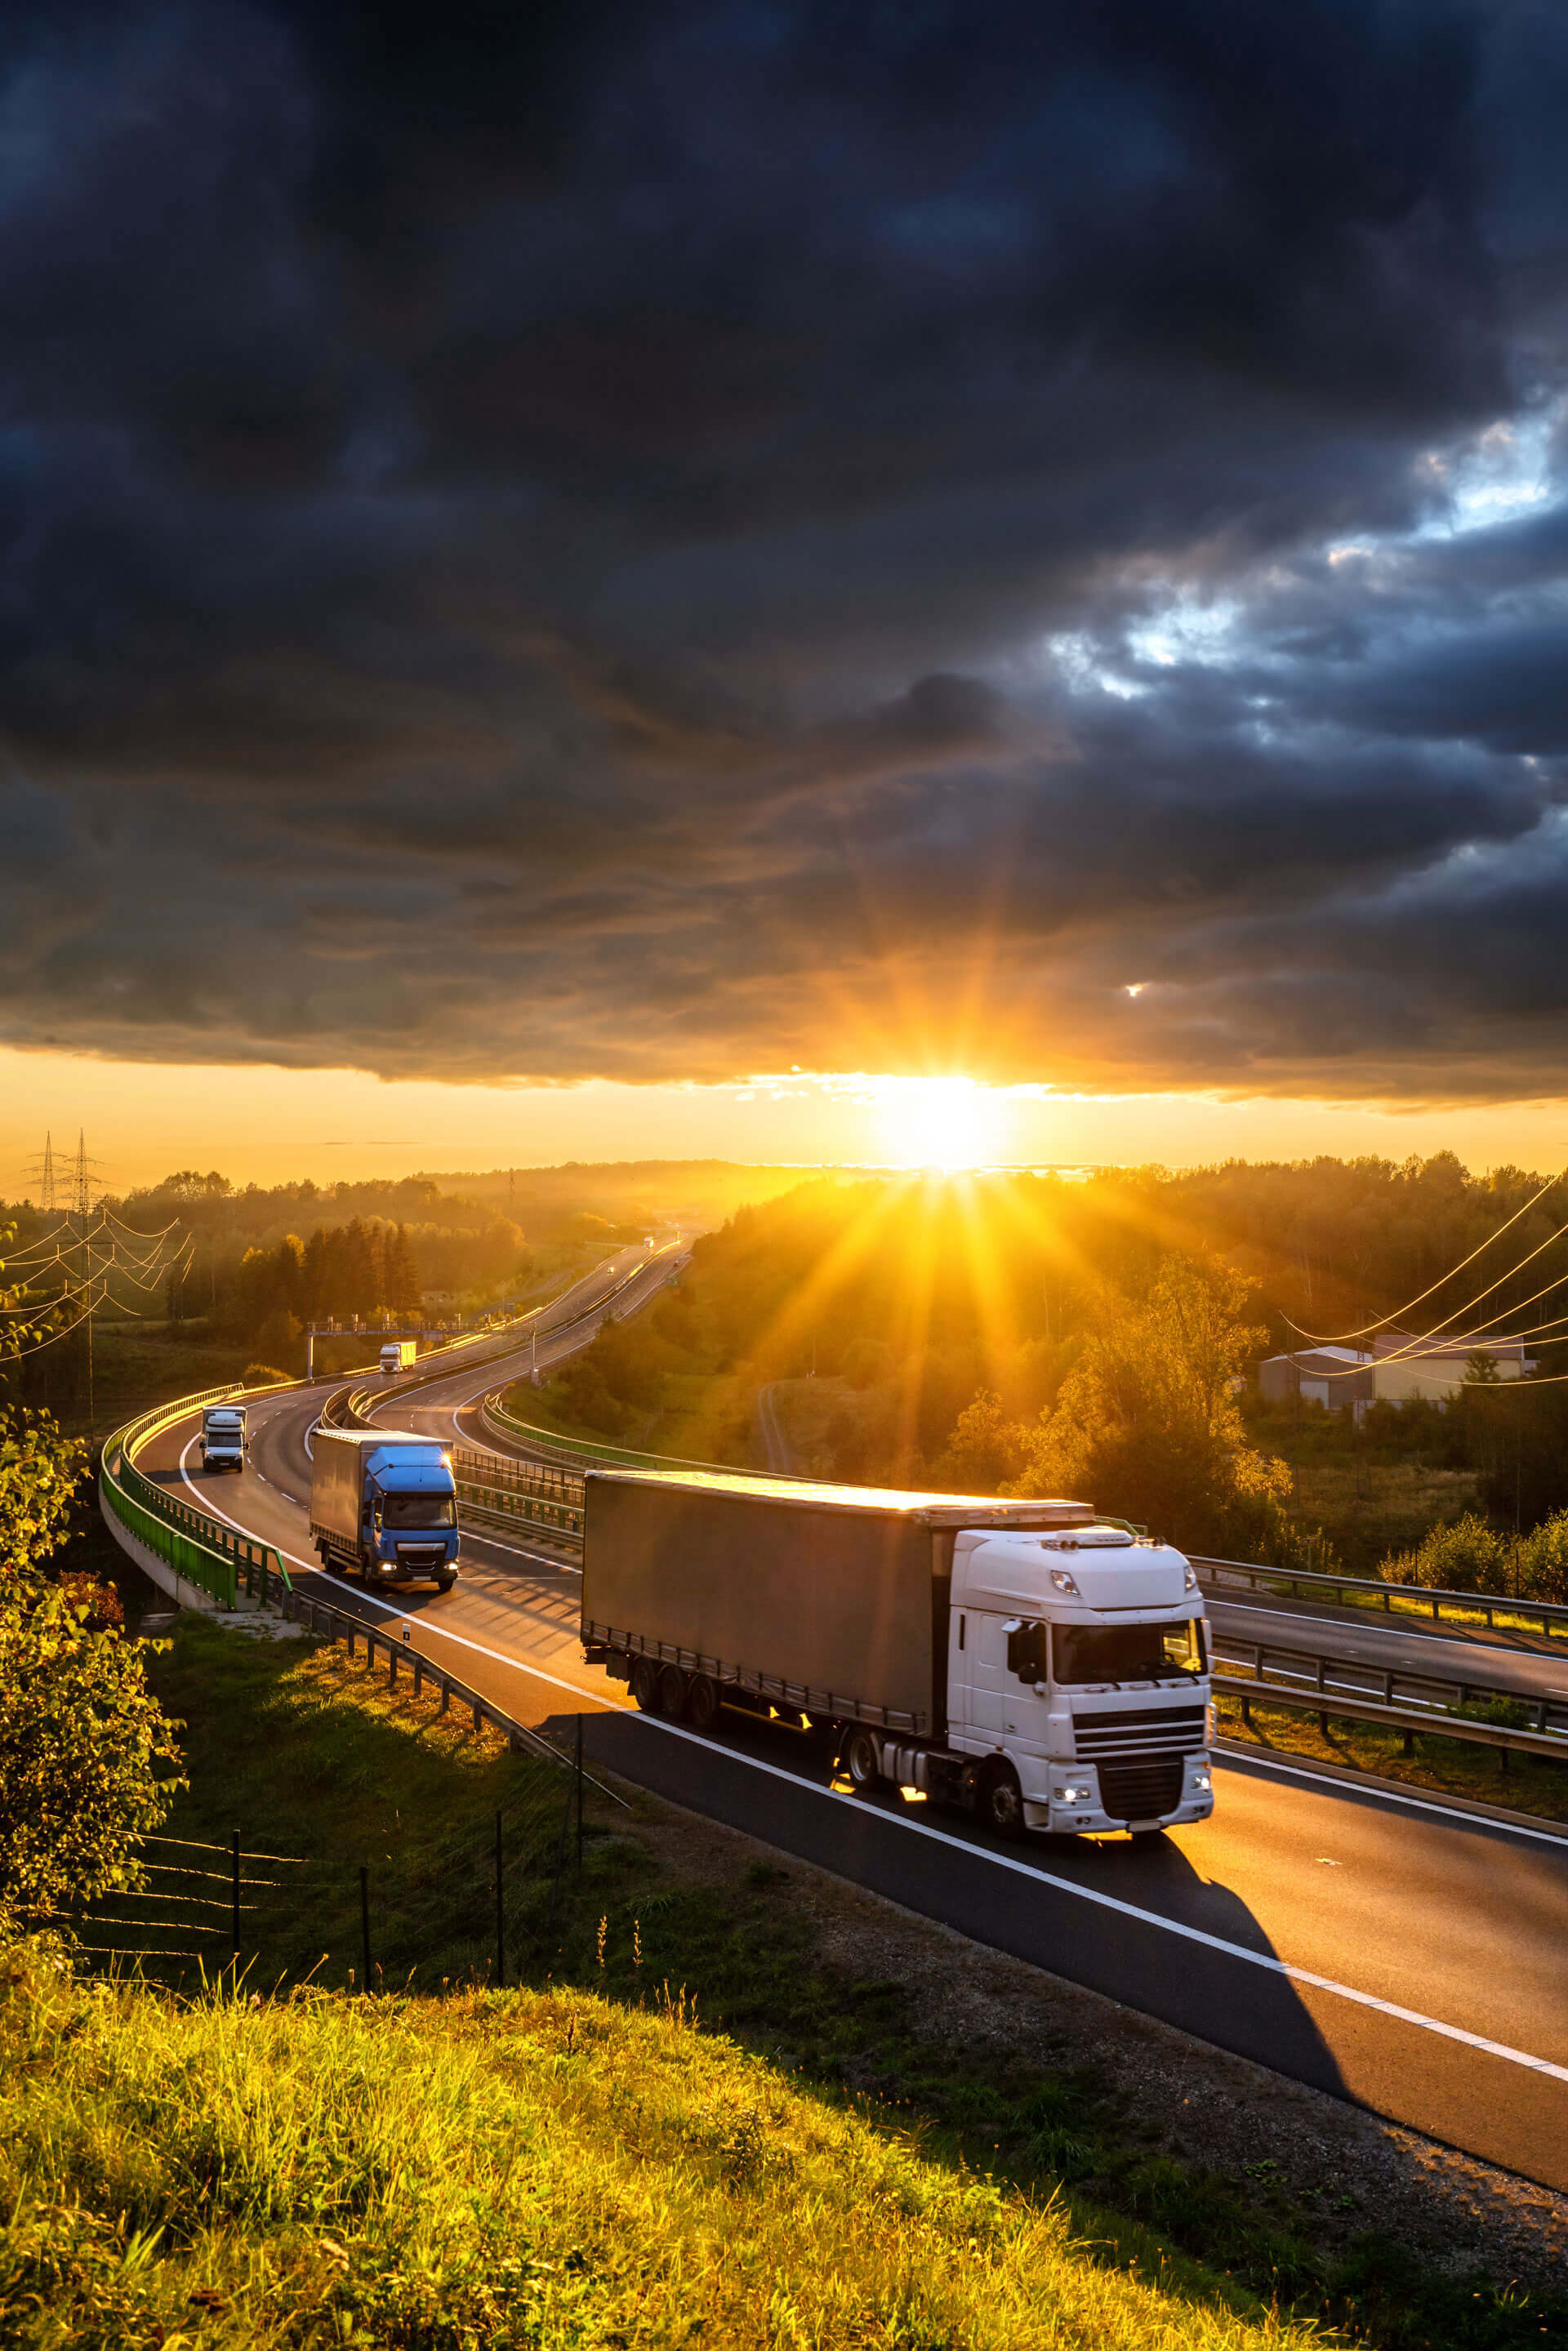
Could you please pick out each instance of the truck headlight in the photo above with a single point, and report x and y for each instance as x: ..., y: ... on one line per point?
x: 1063, y: 1582
x: 1202, y: 1784
x: 1079, y: 1793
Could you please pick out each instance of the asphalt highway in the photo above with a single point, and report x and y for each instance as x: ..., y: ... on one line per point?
x: 1390, y: 1950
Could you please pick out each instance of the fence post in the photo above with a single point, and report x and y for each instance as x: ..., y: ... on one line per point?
x: 365, y: 1922
x: 579, y: 1793
x: 236, y: 1904
x: 500, y: 1916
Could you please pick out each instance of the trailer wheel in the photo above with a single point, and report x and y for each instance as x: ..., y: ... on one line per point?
x: 862, y: 1762
x: 644, y: 1679
x: 672, y: 1693
x: 1001, y: 1800
x: 703, y: 1702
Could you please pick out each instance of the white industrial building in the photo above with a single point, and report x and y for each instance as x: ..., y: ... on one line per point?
x: 1395, y: 1368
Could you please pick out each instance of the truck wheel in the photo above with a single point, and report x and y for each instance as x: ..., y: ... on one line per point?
x: 862, y: 1762
x: 646, y: 1685
x: 703, y: 1702
x: 445, y: 1583
x: 1001, y: 1801
x: 672, y: 1693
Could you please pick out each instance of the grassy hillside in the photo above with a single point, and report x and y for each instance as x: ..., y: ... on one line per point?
x: 539, y: 2167
x: 840, y: 2090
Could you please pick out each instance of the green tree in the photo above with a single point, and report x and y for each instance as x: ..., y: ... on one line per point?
x: 984, y: 1451
x: 80, y: 1739
x: 39, y: 1468
x: 1146, y: 1424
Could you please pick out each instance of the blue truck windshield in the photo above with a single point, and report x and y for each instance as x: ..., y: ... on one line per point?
x: 421, y: 1510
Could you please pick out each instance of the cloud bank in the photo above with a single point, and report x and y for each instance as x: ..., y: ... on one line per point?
x: 603, y: 541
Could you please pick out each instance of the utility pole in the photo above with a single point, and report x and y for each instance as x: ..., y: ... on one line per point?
x: 46, y: 1188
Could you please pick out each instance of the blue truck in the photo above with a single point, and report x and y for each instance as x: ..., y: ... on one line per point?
x: 384, y: 1501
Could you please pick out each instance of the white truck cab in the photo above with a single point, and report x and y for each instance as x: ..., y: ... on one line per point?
x: 224, y: 1441
x: 1079, y: 1657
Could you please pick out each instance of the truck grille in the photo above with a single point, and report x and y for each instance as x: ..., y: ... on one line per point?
x: 1143, y: 1731
x: 1140, y: 1754
x: 420, y: 1554
x: 1141, y: 1791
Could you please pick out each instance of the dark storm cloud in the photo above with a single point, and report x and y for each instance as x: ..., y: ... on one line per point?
x: 666, y: 543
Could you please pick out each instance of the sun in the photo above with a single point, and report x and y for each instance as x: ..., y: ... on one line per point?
x: 949, y: 1123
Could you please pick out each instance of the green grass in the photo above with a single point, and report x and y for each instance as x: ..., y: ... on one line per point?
x: 1369, y: 1508
x: 542, y: 2167
x: 805, y: 2162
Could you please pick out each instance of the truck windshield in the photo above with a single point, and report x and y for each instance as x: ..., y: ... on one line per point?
x: 1127, y: 1653
x: 418, y: 1511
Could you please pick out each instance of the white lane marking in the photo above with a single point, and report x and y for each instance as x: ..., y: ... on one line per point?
x: 1386, y: 1796
x: 1265, y: 1959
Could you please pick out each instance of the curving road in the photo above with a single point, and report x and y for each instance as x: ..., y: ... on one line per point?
x: 1389, y: 1949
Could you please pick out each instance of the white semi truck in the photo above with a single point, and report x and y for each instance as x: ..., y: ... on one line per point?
x: 1038, y: 1667
x: 398, y: 1355
x: 224, y: 1440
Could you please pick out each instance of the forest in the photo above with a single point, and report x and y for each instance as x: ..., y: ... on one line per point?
x: 1103, y: 1336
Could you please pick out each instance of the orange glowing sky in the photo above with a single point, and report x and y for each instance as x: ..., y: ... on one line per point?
x: 267, y: 1124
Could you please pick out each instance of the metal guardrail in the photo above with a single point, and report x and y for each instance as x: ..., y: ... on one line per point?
x: 1397, y: 1599
x: 535, y: 1495
x: 217, y: 1558
x: 1316, y: 1683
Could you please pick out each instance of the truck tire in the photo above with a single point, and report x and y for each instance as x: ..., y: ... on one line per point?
x: 703, y: 1702
x: 1001, y: 1801
x: 445, y: 1583
x: 673, y: 1691
x: 862, y: 1762
x: 645, y: 1684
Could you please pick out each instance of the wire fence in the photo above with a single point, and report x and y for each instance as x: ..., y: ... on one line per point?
x: 200, y: 1910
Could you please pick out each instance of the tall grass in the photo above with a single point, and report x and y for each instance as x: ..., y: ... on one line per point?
x: 538, y: 2167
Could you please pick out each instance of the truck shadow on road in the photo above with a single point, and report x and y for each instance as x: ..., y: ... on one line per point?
x: 1138, y: 1922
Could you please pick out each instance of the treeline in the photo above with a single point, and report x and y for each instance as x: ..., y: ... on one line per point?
x: 1098, y: 1337
x: 344, y: 1270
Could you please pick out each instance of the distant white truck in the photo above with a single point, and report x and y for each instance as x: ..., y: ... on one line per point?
x: 224, y: 1440
x: 398, y: 1355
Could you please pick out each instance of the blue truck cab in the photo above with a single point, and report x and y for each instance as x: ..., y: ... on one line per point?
x: 384, y: 1500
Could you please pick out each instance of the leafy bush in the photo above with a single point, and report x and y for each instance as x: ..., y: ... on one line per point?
x: 39, y: 1468
x: 1468, y: 1556
x: 81, y: 1736
x: 98, y: 1604
x: 1473, y: 1556
x: 264, y: 1375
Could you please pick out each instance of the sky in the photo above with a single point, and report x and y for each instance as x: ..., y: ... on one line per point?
x: 598, y: 580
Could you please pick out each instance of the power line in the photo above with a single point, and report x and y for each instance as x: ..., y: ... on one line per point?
x: 1341, y: 1338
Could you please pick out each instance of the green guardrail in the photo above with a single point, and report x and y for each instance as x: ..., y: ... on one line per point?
x: 217, y: 1558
